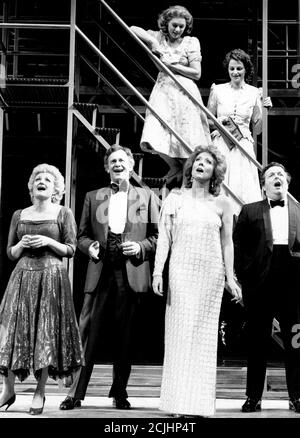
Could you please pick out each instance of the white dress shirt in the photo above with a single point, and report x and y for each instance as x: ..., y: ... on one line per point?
x: 280, y: 224
x: 117, y: 212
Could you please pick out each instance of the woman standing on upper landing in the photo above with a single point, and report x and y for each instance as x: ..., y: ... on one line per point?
x: 182, y: 55
x: 241, y: 103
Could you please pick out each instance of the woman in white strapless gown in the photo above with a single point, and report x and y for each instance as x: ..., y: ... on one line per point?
x: 196, y: 228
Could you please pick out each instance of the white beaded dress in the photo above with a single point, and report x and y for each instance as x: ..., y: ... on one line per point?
x: 190, y: 229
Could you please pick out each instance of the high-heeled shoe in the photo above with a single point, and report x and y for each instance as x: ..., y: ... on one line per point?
x: 37, y: 411
x: 9, y: 402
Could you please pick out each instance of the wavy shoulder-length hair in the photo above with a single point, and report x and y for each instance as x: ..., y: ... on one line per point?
x: 240, y: 56
x: 59, y: 182
x: 176, y: 11
x: 219, y: 168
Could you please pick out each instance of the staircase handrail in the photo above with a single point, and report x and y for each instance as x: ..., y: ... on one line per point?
x: 146, y: 103
x: 157, y: 61
x: 136, y: 63
x: 217, y: 124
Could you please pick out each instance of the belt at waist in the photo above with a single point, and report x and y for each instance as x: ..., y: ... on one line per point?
x: 40, y: 253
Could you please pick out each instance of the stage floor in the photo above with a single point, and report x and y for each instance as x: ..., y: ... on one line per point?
x: 142, y: 407
x: 144, y: 390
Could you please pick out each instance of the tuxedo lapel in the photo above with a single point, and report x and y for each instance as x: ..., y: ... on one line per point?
x: 267, y: 224
x: 131, y: 200
x: 292, y: 223
x: 106, y: 196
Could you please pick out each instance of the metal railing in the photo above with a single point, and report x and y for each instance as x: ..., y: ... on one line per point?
x: 208, y: 113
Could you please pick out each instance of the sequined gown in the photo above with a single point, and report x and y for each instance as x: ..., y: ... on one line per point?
x: 174, y: 106
x: 190, y: 229
x: 38, y: 326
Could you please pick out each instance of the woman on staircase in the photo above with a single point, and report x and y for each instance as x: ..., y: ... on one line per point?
x: 238, y: 106
x: 181, y: 54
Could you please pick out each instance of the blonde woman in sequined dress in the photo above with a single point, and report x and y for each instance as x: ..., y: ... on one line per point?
x: 38, y: 327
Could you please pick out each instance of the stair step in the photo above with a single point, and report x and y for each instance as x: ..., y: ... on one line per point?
x: 85, y: 105
x: 101, y: 131
x: 35, y: 81
x: 154, y: 182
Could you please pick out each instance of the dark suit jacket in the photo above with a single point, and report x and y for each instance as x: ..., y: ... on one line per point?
x: 253, y: 242
x: 142, y: 223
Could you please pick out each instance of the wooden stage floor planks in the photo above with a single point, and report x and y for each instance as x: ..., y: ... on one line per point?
x: 144, y: 389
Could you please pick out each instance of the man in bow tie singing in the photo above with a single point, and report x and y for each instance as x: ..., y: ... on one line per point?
x: 267, y: 264
x: 118, y: 232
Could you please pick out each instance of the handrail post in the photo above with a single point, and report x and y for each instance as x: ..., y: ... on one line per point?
x: 265, y: 81
x: 69, y: 201
x: 70, y: 104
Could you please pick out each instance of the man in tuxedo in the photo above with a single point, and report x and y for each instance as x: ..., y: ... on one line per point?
x: 267, y: 261
x: 118, y: 269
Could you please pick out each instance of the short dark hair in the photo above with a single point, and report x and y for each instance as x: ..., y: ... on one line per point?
x: 273, y: 164
x: 114, y: 148
x: 219, y: 169
x: 240, y: 56
x: 175, y: 12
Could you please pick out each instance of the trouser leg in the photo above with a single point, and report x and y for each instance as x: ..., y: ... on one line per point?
x: 92, y: 336
x: 125, y: 306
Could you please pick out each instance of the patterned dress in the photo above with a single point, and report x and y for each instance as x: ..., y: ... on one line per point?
x: 174, y: 106
x: 38, y: 326
x: 190, y: 230
x: 244, y: 106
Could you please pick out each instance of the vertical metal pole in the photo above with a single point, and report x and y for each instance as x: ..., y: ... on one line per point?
x: 3, y: 55
x: 100, y: 41
x: 68, y: 177
x: 94, y: 118
x: 265, y: 81
x: 117, y: 141
x: 298, y: 39
x: 2, y: 244
x: 2, y: 85
x: 287, y: 56
x: 70, y: 104
x: 16, y: 57
x: 1, y: 153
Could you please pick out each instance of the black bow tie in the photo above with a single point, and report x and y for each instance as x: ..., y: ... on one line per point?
x: 279, y: 202
x: 122, y: 187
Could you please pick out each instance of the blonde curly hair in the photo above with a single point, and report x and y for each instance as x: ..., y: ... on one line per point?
x: 59, y: 181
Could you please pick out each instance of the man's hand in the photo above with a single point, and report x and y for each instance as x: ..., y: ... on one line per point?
x: 94, y: 250
x: 130, y: 248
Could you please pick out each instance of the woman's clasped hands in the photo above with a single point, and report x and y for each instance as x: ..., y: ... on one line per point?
x: 34, y: 241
